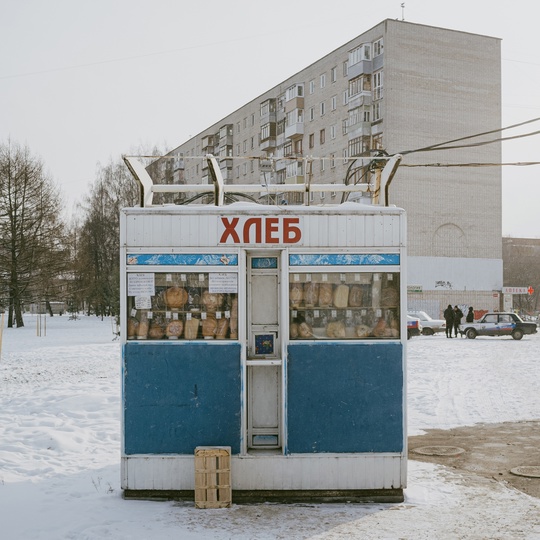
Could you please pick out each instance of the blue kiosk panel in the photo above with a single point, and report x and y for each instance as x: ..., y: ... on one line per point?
x: 345, y: 397
x: 180, y: 396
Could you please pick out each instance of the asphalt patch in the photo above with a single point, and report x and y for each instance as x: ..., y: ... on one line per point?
x: 490, y: 450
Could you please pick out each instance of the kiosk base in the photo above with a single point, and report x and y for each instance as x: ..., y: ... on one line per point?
x: 278, y: 496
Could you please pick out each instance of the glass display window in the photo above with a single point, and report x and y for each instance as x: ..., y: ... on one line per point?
x: 182, y: 305
x: 344, y: 305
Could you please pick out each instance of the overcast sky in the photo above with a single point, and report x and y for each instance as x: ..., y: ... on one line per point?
x: 82, y: 82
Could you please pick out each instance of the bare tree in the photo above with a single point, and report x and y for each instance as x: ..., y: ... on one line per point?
x: 30, y: 229
x: 98, y: 251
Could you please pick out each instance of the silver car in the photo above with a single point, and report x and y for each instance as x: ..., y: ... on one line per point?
x: 430, y: 325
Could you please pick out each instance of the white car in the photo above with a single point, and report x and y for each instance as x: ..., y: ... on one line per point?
x: 430, y: 326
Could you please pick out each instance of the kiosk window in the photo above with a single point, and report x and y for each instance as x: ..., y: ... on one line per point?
x: 182, y: 305
x: 351, y: 305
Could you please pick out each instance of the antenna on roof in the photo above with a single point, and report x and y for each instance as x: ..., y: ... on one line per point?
x: 403, y: 11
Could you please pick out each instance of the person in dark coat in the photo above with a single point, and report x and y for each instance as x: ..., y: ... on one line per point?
x: 470, y: 315
x: 449, y: 318
x: 458, y: 315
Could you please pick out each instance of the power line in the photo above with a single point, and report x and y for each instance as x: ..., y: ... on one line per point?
x: 441, y: 146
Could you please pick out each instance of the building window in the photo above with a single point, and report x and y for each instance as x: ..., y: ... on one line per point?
x: 345, y: 68
x: 333, y: 131
x: 377, y: 113
x: 359, y: 84
x: 345, y: 156
x: 322, y: 164
x: 252, y: 143
x: 312, y: 86
x: 333, y: 74
x: 322, y: 136
x: 244, y: 146
x: 244, y: 168
x: 311, y: 140
x: 378, y: 85
x: 311, y: 114
x: 323, y: 108
x: 323, y: 80
x: 298, y: 147
x: 294, y: 91
x: 238, y: 127
x: 332, y: 161
x: 238, y: 149
x: 237, y: 171
x: 358, y: 146
x: 377, y: 142
x: 345, y: 99
x: 334, y: 103
x: 252, y: 120
x: 378, y: 48
x: 360, y: 53
x: 245, y: 123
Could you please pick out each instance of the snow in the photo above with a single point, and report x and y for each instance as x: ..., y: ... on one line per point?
x: 60, y: 448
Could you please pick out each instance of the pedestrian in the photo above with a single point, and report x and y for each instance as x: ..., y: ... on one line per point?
x: 470, y: 315
x: 458, y: 315
x: 449, y: 318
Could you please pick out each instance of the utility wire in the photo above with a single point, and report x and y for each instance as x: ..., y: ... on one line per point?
x: 442, y: 146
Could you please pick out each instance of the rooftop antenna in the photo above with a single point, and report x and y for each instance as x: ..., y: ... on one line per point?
x: 403, y: 11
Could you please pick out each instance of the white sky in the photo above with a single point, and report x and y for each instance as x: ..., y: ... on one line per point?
x: 84, y: 82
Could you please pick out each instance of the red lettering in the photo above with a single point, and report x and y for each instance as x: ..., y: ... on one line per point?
x: 291, y: 233
x: 229, y: 230
x: 271, y: 227
x: 258, y: 233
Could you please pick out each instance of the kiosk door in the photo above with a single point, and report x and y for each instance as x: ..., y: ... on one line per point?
x: 264, y: 363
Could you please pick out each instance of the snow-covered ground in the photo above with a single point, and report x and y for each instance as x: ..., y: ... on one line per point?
x: 60, y: 448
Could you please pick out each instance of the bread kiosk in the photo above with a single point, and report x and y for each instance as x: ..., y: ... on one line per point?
x: 275, y: 332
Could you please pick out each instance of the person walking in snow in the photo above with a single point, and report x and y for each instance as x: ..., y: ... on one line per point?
x: 458, y: 315
x: 449, y: 318
x: 470, y: 315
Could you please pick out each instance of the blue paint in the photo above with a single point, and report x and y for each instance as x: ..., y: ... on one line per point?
x: 182, y: 259
x: 344, y: 259
x: 345, y: 398
x: 180, y: 396
x: 264, y: 262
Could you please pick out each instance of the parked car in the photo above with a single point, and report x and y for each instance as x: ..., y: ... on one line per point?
x: 430, y: 325
x: 499, y: 324
x: 414, y: 326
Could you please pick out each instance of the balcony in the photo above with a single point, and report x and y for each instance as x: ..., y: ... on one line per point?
x: 268, y: 144
x: 364, y: 66
x: 295, y: 179
x: 294, y: 131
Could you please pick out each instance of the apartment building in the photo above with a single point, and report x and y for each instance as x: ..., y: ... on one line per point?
x: 396, y: 88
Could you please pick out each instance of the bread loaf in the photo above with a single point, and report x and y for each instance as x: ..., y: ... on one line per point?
x: 132, y: 327
x: 222, y: 328
x: 341, y: 296
x: 325, y: 294
x: 191, y: 329
x: 380, y: 328
x: 335, y: 329
x: 390, y: 297
x: 175, y: 297
x: 156, y: 330
x: 174, y: 329
x: 209, y: 327
x: 304, y: 330
x: 363, y: 331
x: 212, y: 301
x: 356, y: 295
x: 142, y: 330
x: 293, y: 330
x: 311, y: 294
x: 234, y: 319
x: 296, y: 294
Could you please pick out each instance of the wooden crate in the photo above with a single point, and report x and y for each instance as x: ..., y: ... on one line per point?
x: 213, y: 477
